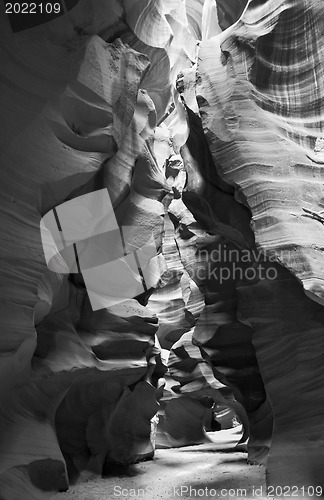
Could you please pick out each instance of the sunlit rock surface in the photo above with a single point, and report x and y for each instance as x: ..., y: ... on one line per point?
x: 203, y: 122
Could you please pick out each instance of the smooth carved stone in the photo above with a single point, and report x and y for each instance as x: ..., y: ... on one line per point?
x: 216, y: 266
x: 197, y: 377
x: 270, y: 124
x: 184, y: 423
x: 167, y: 302
x: 294, y: 331
x: 113, y: 424
x: 262, y: 126
x: 70, y: 101
x: 157, y: 79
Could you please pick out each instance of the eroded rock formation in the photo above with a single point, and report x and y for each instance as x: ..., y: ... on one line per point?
x: 202, y: 121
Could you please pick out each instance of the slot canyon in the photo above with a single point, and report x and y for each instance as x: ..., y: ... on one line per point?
x: 162, y: 263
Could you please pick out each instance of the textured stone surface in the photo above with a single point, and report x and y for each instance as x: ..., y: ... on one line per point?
x: 258, y: 96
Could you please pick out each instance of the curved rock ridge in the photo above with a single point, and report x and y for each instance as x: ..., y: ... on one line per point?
x: 273, y: 98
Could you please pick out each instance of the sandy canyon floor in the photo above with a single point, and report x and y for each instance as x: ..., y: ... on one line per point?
x: 211, y: 470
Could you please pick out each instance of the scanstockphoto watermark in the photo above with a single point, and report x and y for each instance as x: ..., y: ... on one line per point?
x: 180, y: 491
x: 254, y: 492
x: 224, y: 263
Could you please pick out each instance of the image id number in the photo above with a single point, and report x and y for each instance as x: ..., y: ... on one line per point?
x: 32, y: 8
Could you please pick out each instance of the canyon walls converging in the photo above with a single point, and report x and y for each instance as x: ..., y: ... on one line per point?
x: 201, y: 124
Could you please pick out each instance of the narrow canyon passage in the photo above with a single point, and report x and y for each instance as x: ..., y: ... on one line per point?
x: 161, y: 249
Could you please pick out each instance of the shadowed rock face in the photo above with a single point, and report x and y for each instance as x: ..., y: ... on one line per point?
x: 203, y: 123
